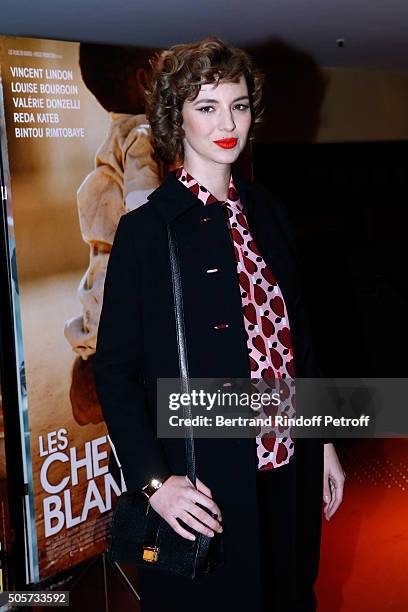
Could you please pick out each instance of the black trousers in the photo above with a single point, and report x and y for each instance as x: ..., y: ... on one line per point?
x: 276, y: 492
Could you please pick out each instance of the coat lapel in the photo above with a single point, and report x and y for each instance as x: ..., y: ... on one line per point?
x: 263, y: 214
x: 172, y: 199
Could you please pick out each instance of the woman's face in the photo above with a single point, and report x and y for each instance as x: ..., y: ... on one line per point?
x: 219, y: 113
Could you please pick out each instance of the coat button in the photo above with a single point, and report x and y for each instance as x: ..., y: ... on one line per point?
x: 212, y: 270
x: 221, y: 326
x: 205, y: 219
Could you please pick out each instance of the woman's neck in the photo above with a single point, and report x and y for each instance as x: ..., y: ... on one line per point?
x: 215, y: 178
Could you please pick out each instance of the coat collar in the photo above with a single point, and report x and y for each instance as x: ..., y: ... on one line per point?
x: 172, y: 198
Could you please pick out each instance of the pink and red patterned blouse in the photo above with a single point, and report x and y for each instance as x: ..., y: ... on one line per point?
x: 266, y: 323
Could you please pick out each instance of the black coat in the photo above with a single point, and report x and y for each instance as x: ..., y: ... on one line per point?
x: 137, y: 344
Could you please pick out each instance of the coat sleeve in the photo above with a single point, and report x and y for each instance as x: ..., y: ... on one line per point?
x: 118, y: 367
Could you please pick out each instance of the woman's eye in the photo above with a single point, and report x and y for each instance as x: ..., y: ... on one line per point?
x: 205, y: 109
x: 243, y: 106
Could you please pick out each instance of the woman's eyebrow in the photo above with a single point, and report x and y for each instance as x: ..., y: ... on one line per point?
x: 212, y: 101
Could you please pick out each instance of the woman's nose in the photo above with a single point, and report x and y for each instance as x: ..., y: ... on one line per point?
x: 227, y: 121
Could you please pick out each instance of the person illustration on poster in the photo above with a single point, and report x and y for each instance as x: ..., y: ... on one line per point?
x: 244, y: 317
x: 126, y: 172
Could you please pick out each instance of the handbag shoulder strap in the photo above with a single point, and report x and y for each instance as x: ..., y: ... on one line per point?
x: 182, y: 351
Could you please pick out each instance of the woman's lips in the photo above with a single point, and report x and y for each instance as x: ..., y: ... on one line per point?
x: 227, y: 143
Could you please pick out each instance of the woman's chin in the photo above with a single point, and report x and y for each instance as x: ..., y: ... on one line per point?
x: 226, y: 156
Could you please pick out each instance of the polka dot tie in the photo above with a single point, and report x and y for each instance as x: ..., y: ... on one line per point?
x: 266, y: 324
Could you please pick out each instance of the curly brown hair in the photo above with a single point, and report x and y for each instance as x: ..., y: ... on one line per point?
x: 177, y: 75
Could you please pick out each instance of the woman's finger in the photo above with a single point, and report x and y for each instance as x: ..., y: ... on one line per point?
x: 189, y: 481
x: 203, y: 516
x: 203, y: 488
x: 337, y: 497
x: 179, y: 529
x: 195, y: 524
x: 326, y: 490
x: 198, y: 497
x: 333, y: 493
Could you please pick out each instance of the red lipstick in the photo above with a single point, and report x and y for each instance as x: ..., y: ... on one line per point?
x: 227, y: 143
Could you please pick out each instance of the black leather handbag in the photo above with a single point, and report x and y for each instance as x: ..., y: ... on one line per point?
x: 139, y: 534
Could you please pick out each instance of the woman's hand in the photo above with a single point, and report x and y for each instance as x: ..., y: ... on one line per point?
x: 333, y: 481
x: 177, y: 498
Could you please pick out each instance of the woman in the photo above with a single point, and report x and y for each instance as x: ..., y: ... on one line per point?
x: 234, y: 246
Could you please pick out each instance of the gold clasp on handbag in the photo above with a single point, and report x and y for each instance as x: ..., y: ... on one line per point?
x: 150, y: 553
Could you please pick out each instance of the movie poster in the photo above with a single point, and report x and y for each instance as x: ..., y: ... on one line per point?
x: 79, y: 155
x: 6, y: 262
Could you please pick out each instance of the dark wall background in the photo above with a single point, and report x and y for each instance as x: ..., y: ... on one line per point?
x: 348, y: 207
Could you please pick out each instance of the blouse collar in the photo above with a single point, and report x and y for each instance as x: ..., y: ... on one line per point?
x: 203, y: 193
